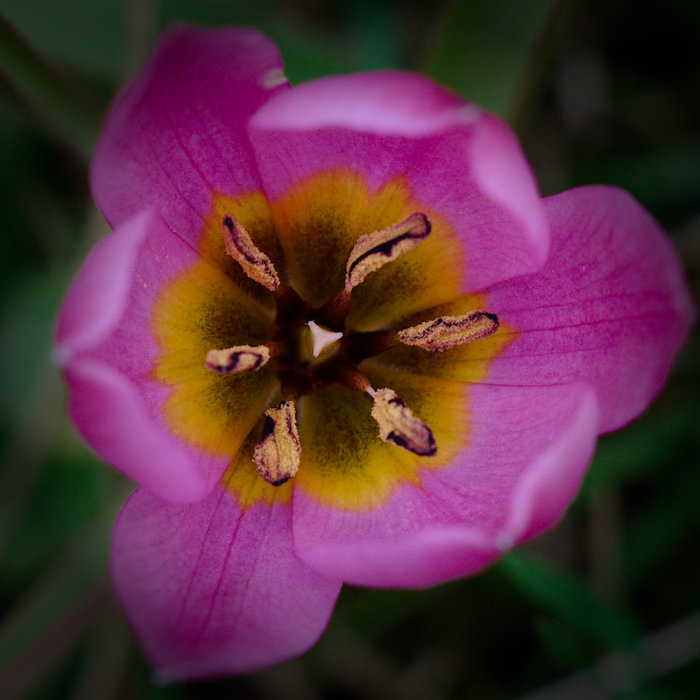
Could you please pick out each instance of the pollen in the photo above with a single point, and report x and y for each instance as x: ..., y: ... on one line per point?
x: 399, y: 425
x: 240, y: 246
x: 374, y: 250
x: 278, y: 455
x: 447, y: 332
x: 239, y: 358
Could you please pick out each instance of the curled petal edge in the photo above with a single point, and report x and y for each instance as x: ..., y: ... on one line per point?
x: 97, y: 297
x: 475, y: 149
x: 447, y: 552
x: 106, y: 406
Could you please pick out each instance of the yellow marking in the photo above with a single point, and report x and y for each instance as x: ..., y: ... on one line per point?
x: 213, y: 304
x: 243, y: 480
x: 200, y: 309
x: 319, y: 221
x: 345, y: 465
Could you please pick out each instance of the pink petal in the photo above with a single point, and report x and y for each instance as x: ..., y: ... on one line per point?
x: 527, y: 453
x: 610, y: 308
x: 97, y: 297
x: 107, y: 351
x: 212, y: 590
x: 111, y: 415
x: 455, y: 158
x: 177, y: 134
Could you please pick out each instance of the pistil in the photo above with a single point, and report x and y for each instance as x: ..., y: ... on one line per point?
x: 313, y: 349
x: 319, y: 343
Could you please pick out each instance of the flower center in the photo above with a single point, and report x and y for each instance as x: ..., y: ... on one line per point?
x: 313, y: 347
x: 319, y: 343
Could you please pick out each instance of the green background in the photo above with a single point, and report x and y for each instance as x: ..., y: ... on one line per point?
x: 605, y: 605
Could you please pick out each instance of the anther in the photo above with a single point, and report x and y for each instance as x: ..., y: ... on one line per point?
x: 374, y: 250
x: 239, y: 358
x: 447, y: 332
x: 399, y: 425
x: 240, y: 246
x: 278, y: 454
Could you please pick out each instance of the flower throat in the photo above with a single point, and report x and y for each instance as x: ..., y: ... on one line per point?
x: 314, y: 348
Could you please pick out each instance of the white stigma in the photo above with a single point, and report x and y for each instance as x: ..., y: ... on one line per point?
x: 322, y: 337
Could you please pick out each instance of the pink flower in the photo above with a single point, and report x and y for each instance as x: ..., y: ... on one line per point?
x: 350, y: 288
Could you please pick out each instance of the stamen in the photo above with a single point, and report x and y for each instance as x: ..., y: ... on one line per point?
x: 447, y: 332
x: 397, y: 424
x: 239, y: 358
x: 348, y: 375
x: 240, y: 246
x: 278, y: 454
x: 374, y: 250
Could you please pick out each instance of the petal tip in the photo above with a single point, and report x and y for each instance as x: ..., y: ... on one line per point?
x: 273, y: 78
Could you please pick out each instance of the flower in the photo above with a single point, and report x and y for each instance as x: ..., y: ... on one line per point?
x: 337, y: 336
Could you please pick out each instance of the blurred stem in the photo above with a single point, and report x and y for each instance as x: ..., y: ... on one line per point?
x: 495, y: 53
x: 140, y: 25
x: 58, y: 105
x: 570, y: 599
x: 42, y: 405
x: 537, y: 63
x: 663, y: 652
x: 37, y: 660
x: 107, y: 658
x: 54, y: 615
x: 605, y: 545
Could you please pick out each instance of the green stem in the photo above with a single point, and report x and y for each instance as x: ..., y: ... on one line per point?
x: 537, y: 63
x: 58, y: 105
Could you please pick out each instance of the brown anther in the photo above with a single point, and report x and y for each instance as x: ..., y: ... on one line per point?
x: 278, y: 454
x: 240, y: 246
x: 374, y: 250
x: 239, y: 358
x: 397, y: 424
x: 447, y: 332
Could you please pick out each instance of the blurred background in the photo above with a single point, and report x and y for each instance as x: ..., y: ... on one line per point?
x: 607, y: 604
